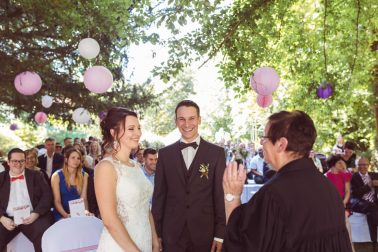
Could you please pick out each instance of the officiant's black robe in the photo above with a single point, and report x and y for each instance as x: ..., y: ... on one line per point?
x: 297, y: 210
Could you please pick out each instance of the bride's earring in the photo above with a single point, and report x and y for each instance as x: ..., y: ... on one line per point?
x: 115, y: 145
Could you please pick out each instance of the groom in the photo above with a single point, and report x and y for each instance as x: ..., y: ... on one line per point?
x: 188, y: 199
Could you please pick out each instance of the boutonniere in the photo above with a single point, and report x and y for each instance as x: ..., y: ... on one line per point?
x: 204, y: 170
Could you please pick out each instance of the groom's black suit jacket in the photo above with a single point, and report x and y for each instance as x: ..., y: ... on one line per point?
x: 182, y: 197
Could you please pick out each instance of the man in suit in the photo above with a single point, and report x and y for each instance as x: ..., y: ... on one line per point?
x: 188, y: 199
x: 51, y: 161
x: 20, y: 188
x: 364, y: 196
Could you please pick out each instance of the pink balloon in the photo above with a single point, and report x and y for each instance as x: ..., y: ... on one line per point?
x: 28, y: 83
x: 264, y: 101
x: 264, y: 80
x: 40, y: 117
x: 98, y: 79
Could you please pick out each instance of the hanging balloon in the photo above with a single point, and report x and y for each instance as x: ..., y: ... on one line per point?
x: 264, y: 80
x: 89, y: 48
x: 47, y: 101
x: 264, y: 101
x: 28, y: 83
x: 324, y: 91
x: 40, y: 117
x: 102, y: 115
x: 13, y: 126
x: 98, y: 79
x: 81, y: 115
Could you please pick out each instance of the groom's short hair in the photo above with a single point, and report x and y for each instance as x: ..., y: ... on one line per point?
x: 187, y: 103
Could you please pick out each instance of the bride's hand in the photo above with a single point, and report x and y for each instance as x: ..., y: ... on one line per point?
x: 156, y: 245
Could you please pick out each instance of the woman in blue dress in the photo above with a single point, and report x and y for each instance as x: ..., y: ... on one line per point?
x: 69, y: 183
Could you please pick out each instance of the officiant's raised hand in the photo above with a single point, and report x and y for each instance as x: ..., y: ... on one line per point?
x: 233, y: 179
x: 233, y: 184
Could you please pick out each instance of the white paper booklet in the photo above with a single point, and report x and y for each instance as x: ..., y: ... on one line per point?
x: 20, y: 213
x: 77, y: 207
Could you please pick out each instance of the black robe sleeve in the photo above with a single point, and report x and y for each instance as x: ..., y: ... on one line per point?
x: 257, y: 225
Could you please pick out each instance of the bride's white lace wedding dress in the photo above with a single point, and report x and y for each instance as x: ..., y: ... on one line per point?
x: 133, y: 192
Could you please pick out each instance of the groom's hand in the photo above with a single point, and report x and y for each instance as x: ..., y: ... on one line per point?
x: 160, y: 244
x: 216, y: 247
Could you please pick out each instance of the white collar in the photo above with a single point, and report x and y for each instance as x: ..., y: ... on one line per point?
x: 362, y: 175
x: 197, y: 140
x: 51, y: 155
x: 14, y: 176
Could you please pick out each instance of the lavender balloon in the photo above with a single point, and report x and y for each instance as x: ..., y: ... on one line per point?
x: 264, y: 80
x: 98, y: 79
x: 28, y: 83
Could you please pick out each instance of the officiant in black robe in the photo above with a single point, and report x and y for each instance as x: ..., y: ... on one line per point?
x: 298, y: 209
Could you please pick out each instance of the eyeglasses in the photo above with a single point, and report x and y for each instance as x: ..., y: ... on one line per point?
x: 263, y: 139
x: 363, y: 164
x: 17, y: 161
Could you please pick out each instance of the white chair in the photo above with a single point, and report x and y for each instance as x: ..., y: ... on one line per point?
x: 73, y: 234
x: 359, y: 226
x: 20, y: 243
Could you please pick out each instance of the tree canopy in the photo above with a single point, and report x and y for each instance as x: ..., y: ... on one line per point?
x: 42, y: 36
x: 307, y: 42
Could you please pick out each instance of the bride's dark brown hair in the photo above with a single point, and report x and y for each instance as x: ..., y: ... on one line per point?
x: 115, y: 119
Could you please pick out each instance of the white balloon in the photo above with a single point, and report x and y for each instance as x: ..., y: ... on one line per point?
x: 81, y: 115
x: 89, y: 48
x: 47, y: 101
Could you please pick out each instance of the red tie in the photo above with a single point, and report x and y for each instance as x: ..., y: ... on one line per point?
x: 21, y: 177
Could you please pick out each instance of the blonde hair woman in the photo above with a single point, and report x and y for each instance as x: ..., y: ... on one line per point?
x: 68, y: 184
x: 31, y: 162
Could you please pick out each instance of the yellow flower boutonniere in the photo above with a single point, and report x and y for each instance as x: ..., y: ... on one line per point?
x: 204, y: 170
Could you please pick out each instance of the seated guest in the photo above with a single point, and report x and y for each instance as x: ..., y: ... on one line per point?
x: 257, y: 166
x: 340, y: 178
x: 298, y: 209
x: 364, y: 196
x: 23, y: 187
x: 349, y: 156
x: 69, y: 183
x: 50, y: 161
x: 32, y: 162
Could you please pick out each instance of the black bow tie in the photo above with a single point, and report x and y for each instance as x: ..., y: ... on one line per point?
x: 186, y: 145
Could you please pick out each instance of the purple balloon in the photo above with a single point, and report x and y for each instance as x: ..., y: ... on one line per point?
x: 102, y: 115
x: 324, y: 91
x: 13, y: 126
x: 28, y: 83
x: 98, y: 79
x: 264, y: 80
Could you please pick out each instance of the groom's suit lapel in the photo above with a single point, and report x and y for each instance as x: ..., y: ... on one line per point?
x: 179, y: 163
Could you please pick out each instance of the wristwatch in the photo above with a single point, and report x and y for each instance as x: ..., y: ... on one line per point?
x: 230, y: 197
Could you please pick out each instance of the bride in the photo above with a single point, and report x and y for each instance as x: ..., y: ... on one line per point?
x: 122, y: 190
